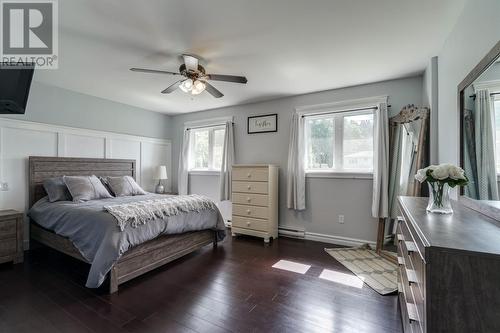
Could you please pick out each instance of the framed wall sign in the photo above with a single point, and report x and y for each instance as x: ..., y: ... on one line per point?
x: 263, y: 124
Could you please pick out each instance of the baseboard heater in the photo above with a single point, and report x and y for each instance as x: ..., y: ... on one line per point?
x: 291, y: 232
x: 282, y: 231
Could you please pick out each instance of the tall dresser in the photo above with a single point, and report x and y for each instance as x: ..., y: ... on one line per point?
x: 449, y: 269
x: 255, y: 200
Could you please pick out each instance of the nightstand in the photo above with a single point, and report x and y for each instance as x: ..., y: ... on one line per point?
x: 11, y: 236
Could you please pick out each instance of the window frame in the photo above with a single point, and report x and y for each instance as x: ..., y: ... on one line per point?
x: 338, y: 107
x: 211, y: 145
x: 496, y: 99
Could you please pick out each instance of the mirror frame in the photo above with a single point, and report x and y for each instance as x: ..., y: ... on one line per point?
x: 479, y: 69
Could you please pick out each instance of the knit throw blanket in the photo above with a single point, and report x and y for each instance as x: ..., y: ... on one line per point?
x: 140, y: 212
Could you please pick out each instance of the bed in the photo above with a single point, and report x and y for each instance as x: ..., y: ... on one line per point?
x: 137, y: 260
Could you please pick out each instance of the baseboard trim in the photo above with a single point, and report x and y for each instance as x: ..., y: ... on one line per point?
x: 338, y: 240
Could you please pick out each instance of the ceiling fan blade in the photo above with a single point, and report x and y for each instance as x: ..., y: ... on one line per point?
x: 154, y: 71
x: 212, y: 90
x: 172, y: 87
x: 227, y: 78
x: 191, y: 62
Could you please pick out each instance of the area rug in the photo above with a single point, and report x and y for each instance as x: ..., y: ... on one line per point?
x: 378, y: 273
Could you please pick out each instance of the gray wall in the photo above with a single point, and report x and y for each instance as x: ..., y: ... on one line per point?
x: 476, y: 32
x: 326, y: 197
x: 52, y: 105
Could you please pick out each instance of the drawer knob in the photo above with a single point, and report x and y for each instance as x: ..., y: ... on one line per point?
x: 248, y: 223
x: 249, y: 175
x: 410, y: 247
x: 249, y: 199
x: 249, y: 187
x: 411, y: 310
x: 411, y: 275
x: 249, y: 211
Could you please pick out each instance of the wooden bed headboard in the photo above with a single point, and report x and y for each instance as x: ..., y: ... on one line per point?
x: 41, y: 168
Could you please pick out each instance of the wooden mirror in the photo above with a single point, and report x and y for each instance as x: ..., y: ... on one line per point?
x: 408, y: 152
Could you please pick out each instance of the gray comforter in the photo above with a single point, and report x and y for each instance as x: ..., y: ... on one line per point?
x: 95, y: 232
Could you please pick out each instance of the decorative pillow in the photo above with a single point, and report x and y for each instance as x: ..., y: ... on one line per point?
x: 124, y: 186
x: 56, y: 189
x: 105, y: 182
x: 84, y: 188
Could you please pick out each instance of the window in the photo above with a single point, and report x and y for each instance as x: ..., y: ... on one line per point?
x: 341, y: 142
x: 206, y: 146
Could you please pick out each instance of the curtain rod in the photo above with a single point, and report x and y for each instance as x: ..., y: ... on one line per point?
x: 205, y: 126
x: 492, y: 94
x: 341, y: 111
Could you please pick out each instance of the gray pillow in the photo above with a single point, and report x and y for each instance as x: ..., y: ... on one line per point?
x: 56, y: 189
x: 104, y: 181
x: 84, y: 188
x: 124, y: 186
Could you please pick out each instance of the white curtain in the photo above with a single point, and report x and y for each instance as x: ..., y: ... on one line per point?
x: 296, y: 178
x: 183, y: 175
x: 484, y: 122
x: 380, y: 198
x: 227, y: 163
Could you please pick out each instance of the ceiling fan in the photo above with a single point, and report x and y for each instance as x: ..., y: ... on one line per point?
x: 195, y: 80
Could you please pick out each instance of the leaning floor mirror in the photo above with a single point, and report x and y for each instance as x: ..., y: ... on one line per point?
x: 479, y: 102
x: 408, y: 152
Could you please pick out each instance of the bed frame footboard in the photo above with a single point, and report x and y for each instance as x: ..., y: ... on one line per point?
x: 140, y: 259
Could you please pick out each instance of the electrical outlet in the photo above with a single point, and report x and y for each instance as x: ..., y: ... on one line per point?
x: 4, y: 186
x: 341, y: 219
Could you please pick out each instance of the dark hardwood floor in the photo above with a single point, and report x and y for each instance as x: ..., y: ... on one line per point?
x: 230, y: 289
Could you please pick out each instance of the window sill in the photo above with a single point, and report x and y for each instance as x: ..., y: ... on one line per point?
x: 204, y: 173
x: 339, y: 175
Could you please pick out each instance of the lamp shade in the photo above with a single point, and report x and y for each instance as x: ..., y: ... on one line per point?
x: 161, y: 172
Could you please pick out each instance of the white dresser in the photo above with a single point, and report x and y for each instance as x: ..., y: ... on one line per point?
x: 255, y: 200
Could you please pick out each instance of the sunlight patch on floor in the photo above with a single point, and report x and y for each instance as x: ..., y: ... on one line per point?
x: 342, y: 278
x: 292, y: 266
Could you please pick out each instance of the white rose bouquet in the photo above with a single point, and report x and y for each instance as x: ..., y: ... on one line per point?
x: 440, y: 178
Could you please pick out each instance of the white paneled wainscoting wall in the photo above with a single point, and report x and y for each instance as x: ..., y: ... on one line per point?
x: 20, y: 139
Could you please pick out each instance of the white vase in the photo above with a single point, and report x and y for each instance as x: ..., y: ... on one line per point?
x: 439, y: 198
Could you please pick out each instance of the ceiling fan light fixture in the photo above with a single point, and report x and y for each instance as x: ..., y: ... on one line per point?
x: 198, y: 87
x: 186, y: 85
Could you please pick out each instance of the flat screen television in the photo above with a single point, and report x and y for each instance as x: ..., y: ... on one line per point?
x: 15, y: 82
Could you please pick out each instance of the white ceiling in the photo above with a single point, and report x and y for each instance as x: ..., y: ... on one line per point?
x: 283, y: 47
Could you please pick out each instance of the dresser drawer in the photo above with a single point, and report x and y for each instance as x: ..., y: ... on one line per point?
x: 250, y: 223
x: 411, y: 307
x: 412, y: 275
x: 250, y: 187
x: 251, y: 174
x: 8, y: 247
x: 251, y: 199
x: 251, y: 211
x: 8, y: 229
x: 409, y: 236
